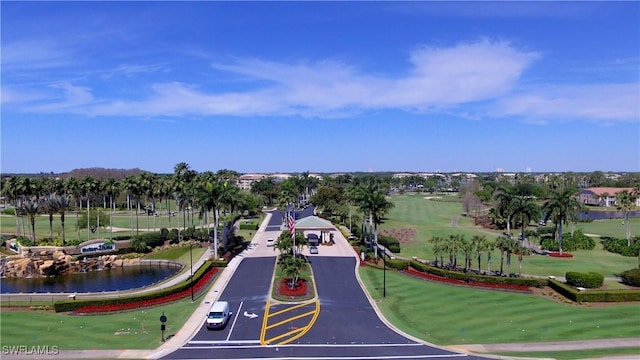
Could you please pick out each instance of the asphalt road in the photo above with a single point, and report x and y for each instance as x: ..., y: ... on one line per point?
x: 346, y: 326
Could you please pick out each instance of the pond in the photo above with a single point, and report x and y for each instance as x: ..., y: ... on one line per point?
x: 121, y: 278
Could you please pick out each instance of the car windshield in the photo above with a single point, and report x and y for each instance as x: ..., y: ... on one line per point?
x: 215, y: 315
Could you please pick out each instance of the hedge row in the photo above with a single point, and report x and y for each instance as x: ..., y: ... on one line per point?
x: 594, y: 295
x: 589, y: 280
x: 70, y: 305
x: 472, y: 277
x: 248, y: 226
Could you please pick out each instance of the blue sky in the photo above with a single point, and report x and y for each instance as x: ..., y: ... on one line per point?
x: 321, y: 86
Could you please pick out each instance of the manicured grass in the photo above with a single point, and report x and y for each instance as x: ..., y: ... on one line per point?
x: 139, y: 329
x: 447, y: 315
x: 431, y: 218
x: 577, y: 354
x: 610, y: 227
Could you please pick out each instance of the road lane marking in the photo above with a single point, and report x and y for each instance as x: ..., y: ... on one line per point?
x: 295, y: 333
x: 265, y: 317
x: 291, y: 319
x: 234, y: 320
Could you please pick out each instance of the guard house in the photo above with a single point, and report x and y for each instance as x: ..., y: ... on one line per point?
x: 316, y: 228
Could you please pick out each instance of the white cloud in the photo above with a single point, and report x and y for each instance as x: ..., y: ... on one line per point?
x: 599, y: 102
x: 453, y: 79
x: 34, y: 55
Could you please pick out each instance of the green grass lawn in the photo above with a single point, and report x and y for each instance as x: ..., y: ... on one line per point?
x: 449, y: 315
x: 138, y: 329
x: 431, y: 218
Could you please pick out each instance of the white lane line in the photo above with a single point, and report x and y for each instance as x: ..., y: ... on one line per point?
x: 390, y: 357
x: 234, y: 320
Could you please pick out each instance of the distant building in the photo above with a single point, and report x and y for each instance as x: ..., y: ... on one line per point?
x: 602, y: 196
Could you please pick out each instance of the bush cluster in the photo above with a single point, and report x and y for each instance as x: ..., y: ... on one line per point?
x: 589, y: 280
x: 619, y: 246
x: 631, y: 277
x: 579, y: 241
x: 390, y: 243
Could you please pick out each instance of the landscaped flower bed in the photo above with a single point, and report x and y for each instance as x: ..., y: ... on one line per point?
x: 427, y: 276
x: 199, y: 285
x: 557, y: 254
x: 299, y: 290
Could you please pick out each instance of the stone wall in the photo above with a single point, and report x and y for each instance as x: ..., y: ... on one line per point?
x: 56, y: 262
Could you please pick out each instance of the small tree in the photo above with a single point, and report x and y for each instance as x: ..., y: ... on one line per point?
x: 93, y: 221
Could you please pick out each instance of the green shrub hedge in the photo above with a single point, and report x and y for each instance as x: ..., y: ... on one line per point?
x: 70, y: 305
x: 390, y: 243
x: 594, y: 295
x: 589, y: 280
x: 619, y: 246
x: 398, y: 264
x: 472, y: 277
x: 248, y: 225
x: 631, y: 277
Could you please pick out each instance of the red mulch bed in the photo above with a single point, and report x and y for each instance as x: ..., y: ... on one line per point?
x: 483, y: 285
x: 299, y: 290
x: 557, y: 254
x: 199, y: 285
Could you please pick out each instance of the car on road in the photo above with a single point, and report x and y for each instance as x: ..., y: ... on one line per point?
x: 313, y: 249
x: 218, y: 316
x: 271, y: 242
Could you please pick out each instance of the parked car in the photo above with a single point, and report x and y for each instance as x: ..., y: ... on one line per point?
x: 271, y: 242
x: 313, y: 249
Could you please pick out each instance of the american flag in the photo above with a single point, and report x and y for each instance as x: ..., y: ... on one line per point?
x: 292, y: 226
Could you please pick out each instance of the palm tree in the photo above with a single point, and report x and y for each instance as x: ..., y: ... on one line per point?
x: 112, y: 189
x: 11, y: 192
x: 563, y: 206
x: 72, y: 187
x: 31, y: 208
x: 490, y: 247
x: 624, y: 200
x: 521, y: 251
x: 372, y: 202
x: 49, y: 206
x: 525, y: 210
x: 504, y: 197
x: 62, y: 205
x: 438, y: 249
x: 502, y: 244
x: 479, y: 243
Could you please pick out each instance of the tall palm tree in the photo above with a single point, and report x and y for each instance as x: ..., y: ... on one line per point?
x: 624, y: 201
x: 112, y: 189
x: 371, y: 200
x: 31, y: 208
x: 479, y: 243
x: 11, y: 192
x: 490, y: 247
x: 49, y: 207
x: 521, y: 251
x: 504, y: 197
x: 90, y: 187
x: 525, y: 209
x: 62, y: 205
x: 563, y: 206
x: 72, y: 187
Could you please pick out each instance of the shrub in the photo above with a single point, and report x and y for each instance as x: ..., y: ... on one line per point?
x: 248, y: 225
x: 631, y: 277
x: 164, y: 234
x: 390, y: 243
x: 188, y: 233
x: 579, y: 241
x: 619, y: 246
x: 398, y: 264
x: 152, y: 239
x: 590, y: 280
x: 173, y: 236
x: 9, y: 211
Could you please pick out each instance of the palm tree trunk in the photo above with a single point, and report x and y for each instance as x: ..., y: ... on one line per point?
x: 50, y: 227
x: 64, y: 238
